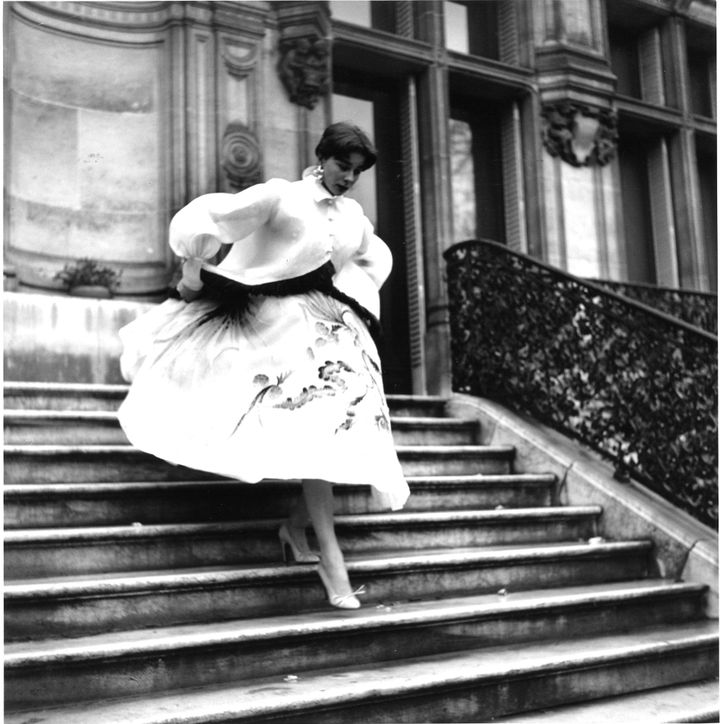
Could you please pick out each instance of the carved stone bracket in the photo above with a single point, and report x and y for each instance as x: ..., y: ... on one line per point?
x: 578, y: 134
x: 304, y: 69
x: 241, y: 156
x: 304, y: 47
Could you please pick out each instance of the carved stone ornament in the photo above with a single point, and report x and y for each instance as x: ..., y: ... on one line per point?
x: 241, y: 157
x: 304, y: 68
x: 579, y: 134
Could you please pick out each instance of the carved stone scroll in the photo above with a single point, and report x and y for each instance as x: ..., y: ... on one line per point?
x: 580, y: 135
x: 241, y: 157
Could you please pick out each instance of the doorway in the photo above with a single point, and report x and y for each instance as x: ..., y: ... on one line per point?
x: 373, y: 104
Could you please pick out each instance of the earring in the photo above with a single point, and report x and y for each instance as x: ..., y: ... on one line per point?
x: 318, y: 171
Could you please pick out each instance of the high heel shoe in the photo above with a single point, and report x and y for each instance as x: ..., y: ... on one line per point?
x: 348, y: 601
x: 292, y: 551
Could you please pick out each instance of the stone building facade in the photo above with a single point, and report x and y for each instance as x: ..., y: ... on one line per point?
x: 580, y: 132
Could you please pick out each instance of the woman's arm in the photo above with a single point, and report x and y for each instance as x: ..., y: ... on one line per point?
x: 199, y: 229
x: 374, y: 257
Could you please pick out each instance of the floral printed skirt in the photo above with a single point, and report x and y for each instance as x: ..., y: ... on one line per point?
x: 290, y: 390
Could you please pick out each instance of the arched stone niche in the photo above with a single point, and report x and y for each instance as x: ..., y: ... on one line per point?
x: 88, y: 156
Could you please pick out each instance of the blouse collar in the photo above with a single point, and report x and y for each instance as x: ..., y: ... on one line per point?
x: 319, y: 192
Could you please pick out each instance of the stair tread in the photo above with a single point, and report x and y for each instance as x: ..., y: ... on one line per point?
x: 11, y: 386
x: 369, y: 520
x: 332, y: 621
x: 45, y: 449
x: 356, y: 684
x: 41, y: 489
x: 696, y: 701
x: 10, y: 414
x: 368, y: 563
x: 95, y: 387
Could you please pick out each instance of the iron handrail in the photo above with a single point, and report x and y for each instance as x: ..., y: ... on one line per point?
x: 634, y: 383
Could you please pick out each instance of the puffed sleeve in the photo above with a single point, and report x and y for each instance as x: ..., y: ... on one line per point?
x: 363, y: 275
x: 199, y: 229
x: 374, y: 257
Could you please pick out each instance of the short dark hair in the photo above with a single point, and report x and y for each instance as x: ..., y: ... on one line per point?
x: 343, y: 138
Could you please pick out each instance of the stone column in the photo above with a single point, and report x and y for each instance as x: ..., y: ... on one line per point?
x: 437, y: 201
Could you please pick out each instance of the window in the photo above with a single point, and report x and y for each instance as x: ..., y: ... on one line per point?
x: 379, y: 15
x: 473, y: 27
x: 637, y: 216
x: 707, y: 175
x: 700, y: 70
x: 477, y: 174
x: 625, y: 61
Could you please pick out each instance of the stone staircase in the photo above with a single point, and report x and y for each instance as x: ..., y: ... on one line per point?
x: 141, y: 592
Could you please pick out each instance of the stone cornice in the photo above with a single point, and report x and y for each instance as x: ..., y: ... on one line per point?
x: 129, y: 17
x: 394, y: 46
x: 522, y: 79
x: 662, y: 115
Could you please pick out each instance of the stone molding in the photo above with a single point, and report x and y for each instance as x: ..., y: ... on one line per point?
x: 578, y: 134
x: 241, y: 156
x: 240, y: 60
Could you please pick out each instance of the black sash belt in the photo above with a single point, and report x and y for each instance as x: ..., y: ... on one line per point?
x: 233, y: 298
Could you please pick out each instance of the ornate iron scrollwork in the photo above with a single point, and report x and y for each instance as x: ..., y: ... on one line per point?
x: 578, y: 134
x: 304, y: 68
x: 241, y: 157
x: 697, y: 308
x: 630, y: 382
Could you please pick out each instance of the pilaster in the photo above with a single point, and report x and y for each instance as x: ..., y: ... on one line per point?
x: 579, y: 127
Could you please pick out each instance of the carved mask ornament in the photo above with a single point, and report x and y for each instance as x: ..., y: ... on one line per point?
x: 304, y: 69
x: 580, y: 135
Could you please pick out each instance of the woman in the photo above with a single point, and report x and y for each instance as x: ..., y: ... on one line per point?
x: 267, y: 369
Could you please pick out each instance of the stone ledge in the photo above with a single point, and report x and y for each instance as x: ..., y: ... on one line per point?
x: 684, y: 548
x: 58, y: 338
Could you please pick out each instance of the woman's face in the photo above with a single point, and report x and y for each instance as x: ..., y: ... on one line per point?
x: 340, y: 174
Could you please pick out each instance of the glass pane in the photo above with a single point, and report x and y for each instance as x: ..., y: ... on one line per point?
x: 700, y: 84
x: 463, y: 180
x: 625, y: 62
x: 361, y: 113
x: 352, y: 11
x: 456, y: 27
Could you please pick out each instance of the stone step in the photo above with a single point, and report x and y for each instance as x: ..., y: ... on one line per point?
x: 142, y: 662
x: 62, y: 396
x: 79, y: 396
x: 118, y: 463
x: 37, y: 553
x: 89, y: 504
x: 101, y: 427
x: 472, y: 685
x: 692, y: 702
x: 76, y: 606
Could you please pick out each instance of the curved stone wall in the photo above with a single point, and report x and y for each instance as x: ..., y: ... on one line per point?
x: 89, y: 160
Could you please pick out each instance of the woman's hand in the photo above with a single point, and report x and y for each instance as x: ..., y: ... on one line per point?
x: 188, y: 294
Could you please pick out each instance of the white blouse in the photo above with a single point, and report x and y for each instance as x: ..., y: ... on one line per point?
x: 285, y: 229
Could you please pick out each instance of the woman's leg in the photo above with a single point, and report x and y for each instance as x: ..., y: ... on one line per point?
x: 294, y: 534
x: 320, y: 506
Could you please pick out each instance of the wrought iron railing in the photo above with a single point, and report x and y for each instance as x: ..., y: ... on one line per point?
x: 637, y: 385
x: 697, y: 308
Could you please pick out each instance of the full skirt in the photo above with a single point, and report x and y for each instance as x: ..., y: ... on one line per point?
x: 292, y: 389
